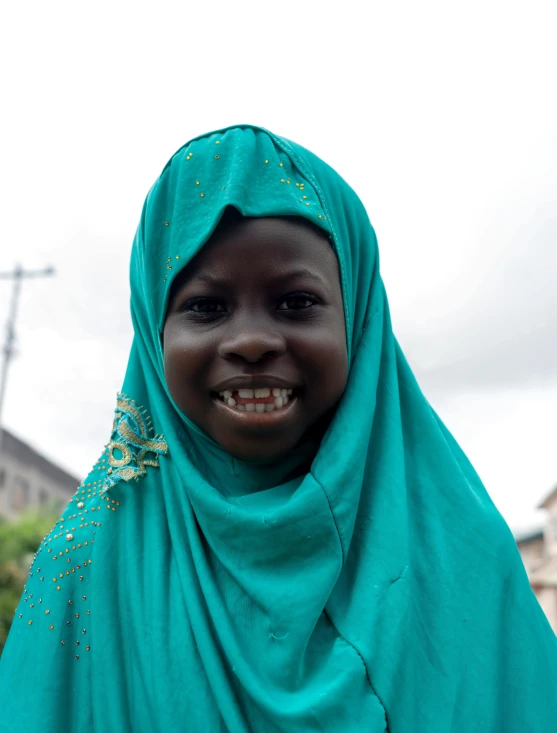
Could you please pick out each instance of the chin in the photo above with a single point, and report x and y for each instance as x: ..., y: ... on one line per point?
x: 256, y: 452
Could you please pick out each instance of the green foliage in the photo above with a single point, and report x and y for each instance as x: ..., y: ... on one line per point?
x: 19, y: 539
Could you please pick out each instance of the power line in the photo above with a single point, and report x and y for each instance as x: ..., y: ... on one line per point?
x: 16, y: 276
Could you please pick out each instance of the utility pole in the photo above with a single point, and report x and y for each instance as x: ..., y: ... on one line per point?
x: 16, y: 275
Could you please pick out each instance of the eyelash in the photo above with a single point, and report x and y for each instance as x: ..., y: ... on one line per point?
x: 201, y: 300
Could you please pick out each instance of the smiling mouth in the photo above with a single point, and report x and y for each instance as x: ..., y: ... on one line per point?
x: 257, y: 400
x: 258, y: 414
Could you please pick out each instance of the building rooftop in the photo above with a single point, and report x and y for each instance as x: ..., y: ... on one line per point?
x: 549, y: 499
x: 23, y: 453
x: 531, y: 536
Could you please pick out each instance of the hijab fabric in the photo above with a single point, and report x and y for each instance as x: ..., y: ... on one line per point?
x: 367, y: 583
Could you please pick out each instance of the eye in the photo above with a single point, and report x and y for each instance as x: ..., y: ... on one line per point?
x: 298, y: 302
x: 203, y: 306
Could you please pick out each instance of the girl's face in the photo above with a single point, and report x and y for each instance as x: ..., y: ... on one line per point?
x: 258, y: 308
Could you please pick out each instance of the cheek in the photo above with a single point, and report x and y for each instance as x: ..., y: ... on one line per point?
x: 326, y: 361
x: 183, y: 364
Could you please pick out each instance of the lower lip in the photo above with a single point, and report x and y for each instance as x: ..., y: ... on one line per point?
x: 259, y: 419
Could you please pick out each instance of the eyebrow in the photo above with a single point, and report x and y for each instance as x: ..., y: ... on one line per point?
x: 301, y: 272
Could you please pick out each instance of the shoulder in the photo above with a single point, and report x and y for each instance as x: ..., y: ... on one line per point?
x: 55, y: 599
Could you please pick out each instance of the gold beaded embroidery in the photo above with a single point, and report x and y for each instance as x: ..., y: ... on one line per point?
x: 131, y: 448
x: 34, y: 619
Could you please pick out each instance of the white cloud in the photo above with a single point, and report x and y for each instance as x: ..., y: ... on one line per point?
x: 440, y: 116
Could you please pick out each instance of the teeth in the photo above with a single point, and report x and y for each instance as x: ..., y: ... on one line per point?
x: 281, y: 398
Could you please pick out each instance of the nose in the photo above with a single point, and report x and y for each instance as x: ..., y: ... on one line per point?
x: 252, y: 342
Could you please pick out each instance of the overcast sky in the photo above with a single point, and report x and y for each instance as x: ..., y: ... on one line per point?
x: 442, y: 116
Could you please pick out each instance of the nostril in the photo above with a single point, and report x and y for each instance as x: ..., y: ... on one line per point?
x: 254, y: 347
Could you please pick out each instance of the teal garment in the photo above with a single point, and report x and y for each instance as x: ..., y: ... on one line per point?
x: 367, y: 583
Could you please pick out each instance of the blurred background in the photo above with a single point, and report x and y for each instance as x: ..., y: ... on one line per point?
x: 442, y: 116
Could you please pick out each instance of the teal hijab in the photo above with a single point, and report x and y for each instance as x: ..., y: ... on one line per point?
x: 366, y: 583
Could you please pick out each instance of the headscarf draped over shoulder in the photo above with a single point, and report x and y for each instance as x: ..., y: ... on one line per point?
x: 379, y: 591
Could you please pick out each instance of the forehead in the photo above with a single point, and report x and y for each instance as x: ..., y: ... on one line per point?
x: 265, y: 241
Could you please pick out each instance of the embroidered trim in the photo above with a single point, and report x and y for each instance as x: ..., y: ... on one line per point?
x: 132, y: 447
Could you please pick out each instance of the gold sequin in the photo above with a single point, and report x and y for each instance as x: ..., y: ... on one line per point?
x: 166, y: 223
x: 217, y: 157
x: 197, y: 184
x: 202, y: 195
x: 217, y: 142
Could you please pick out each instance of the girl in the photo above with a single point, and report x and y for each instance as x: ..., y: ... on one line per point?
x: 280, y: 535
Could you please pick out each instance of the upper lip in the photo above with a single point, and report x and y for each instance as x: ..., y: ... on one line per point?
x: 253, y: 381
